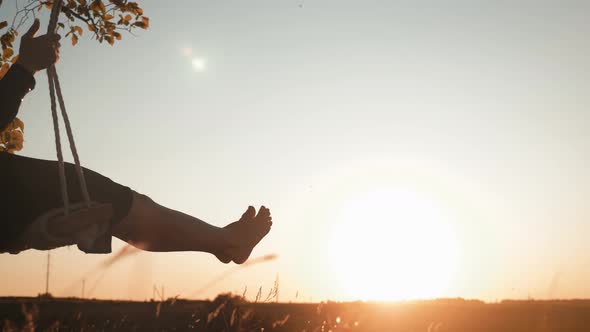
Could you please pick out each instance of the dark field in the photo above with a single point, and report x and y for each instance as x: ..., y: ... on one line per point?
x: 231, y: 314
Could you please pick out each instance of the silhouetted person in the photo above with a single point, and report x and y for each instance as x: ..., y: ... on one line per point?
x: 30, y: 189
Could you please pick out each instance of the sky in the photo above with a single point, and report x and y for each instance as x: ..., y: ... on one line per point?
x: 406, y: 149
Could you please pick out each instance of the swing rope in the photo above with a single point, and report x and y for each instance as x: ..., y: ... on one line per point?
x: 55, y: 89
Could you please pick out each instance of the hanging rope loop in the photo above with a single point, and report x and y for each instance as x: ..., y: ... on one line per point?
x: 55, y: 90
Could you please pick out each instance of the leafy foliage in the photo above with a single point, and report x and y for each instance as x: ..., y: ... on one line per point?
x: 103, y: 19
x: 12, y: 137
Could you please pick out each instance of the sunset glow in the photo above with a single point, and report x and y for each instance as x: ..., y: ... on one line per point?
x: 394, y: 245
x: 405, y: 151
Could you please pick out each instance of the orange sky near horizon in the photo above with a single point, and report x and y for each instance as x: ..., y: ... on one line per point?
x: 405, y: 151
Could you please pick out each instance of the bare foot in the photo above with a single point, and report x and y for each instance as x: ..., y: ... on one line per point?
x: 244, y: 235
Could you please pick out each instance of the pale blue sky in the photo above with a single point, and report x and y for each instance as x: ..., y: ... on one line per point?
x: 301, y: 108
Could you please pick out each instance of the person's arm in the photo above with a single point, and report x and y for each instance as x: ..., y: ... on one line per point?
x: 13, y: 87
x: 35, y: 53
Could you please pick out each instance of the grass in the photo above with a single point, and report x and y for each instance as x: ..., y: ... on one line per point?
x: 232, y: 313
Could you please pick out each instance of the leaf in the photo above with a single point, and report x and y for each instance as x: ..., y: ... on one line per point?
x: 79, y: 30
x: 16, y: 137
x: 4, y: 69
x: 3, y: 24
x: 7, y: 53
x: 11, y: 138
x: 101, y: 6
x: 6, y: 40
x: 110, y: 39
x: 18, y: 123
x: 107, y: 17
x: 74, y: 39
x: 97, y: 6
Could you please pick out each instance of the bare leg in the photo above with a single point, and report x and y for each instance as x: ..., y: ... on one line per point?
x: 152, y: 227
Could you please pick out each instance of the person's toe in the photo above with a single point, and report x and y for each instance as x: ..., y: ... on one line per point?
x: 249, y: 214
x: 264, y: 222
x: 263, y: 214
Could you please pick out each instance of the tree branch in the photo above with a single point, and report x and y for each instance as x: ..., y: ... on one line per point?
x: 87, y: 20
x: 66, y: 10
x: 25, y: 13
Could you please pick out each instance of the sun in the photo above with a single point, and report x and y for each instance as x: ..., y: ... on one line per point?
x: 199, y: 64
x: 393, y: 245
